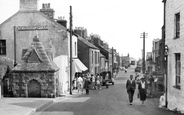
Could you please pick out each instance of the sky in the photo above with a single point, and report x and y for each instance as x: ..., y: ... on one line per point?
x: 118, y: 22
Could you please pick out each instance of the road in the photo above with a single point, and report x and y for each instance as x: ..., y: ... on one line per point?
x: 111, y: 101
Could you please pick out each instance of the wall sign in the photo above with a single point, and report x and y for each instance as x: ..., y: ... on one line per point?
x: 31, y: 28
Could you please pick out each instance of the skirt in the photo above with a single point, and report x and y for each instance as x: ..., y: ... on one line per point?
x: 142, y: 94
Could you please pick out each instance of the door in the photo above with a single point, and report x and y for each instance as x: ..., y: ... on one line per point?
x: 34, y: 89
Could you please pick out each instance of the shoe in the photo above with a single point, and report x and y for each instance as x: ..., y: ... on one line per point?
x: 130, y: 103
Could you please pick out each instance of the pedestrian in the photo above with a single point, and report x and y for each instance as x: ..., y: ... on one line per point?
x: 142, y: 89
x: 162, y: 101
x: 106, y: 79
x: 80, y: 84
x: 75, y: 83
x: 98, y: 81
x: 92, y: 81
x: 86, y: 84
x: 130, y: 86
x: 125, y: 70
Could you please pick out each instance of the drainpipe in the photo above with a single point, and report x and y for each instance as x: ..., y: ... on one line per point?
x: 112, y: 61
x: 166, y: 78
x: 15, y: 60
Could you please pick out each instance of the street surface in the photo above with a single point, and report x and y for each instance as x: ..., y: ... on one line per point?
x: 111, y: 101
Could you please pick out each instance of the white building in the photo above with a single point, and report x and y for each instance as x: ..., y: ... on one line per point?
x: 174, y: 31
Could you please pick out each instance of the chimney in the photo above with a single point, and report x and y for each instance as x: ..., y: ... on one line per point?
x: 62, y: 21
x: 28, y: 5
x: 47, y: 10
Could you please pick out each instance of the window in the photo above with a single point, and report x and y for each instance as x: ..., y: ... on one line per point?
x: 177, y: 69
x: 177, y: 25
x: 92, y: 57
x: 2, y: 47
x: 95, y: 57
x: 75, y: 49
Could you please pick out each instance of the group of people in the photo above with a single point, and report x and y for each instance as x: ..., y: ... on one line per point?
x: 142, y: 88
x: 85, y: 82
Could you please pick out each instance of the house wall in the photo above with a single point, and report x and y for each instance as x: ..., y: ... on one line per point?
x: 102, y: 64
x: 62, y: 62
x: 175, y: 96
x: 94, y: 55
x: 110, y: 62
x: 55, y: 37
x: 83, y: 53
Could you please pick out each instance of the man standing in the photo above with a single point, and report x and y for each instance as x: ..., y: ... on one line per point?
x: 130, y: 86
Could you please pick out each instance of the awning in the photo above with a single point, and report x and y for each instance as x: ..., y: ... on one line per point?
x: 79, y: 66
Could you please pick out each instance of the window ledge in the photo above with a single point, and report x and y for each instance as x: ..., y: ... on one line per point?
x: 176, y: 37
x: 177, y: 86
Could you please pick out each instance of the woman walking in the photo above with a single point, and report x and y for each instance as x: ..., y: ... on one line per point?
x: 142, y: 87
x: 86, y: 84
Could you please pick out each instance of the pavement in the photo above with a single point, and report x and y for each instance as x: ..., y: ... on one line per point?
x: 28, y: 106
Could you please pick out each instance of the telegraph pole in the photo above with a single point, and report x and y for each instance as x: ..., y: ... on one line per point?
x: 112, y: 61
x: 71, y: 50
x: 143, y: 35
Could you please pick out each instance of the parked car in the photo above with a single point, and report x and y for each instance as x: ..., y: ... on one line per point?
x: 107, y: 78
x: 138, y: 69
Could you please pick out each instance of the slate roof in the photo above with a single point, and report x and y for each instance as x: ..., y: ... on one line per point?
x: 87, y: 43
x: 37, y: 62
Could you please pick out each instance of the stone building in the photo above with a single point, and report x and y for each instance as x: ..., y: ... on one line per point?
x: 16, y: 33
x: 174, y: 34
x: 36, y: 75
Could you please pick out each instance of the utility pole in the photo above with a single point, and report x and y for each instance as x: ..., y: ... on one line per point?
x: 15, y: 47
x: 112, y: 61
x: 143, y: 35
x: 71, y: 50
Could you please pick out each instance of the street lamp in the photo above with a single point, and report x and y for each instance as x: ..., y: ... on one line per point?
x: 166, y: 52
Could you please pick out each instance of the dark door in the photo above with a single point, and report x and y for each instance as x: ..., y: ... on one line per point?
x: 34, y: 89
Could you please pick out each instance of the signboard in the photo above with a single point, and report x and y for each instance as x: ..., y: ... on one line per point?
x: 31, y: 28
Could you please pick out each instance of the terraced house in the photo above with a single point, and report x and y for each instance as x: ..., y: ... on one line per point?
x: 174, y: 39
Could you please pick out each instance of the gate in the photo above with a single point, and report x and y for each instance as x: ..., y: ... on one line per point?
x: 34, y: 88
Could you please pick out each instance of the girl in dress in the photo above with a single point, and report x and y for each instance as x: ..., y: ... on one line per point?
x: 142, y: 87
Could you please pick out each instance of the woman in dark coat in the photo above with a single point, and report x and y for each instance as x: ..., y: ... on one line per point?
x: 87, y: 84
x: 142, y: 87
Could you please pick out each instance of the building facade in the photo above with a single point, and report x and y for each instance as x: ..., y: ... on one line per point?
x: 105, y: 51
x: 89, y: 55
x: 16, y: 34
x: 174, y: 34
x: 155, y: 53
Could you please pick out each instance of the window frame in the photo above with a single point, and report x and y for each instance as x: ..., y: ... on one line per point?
x: 177, y: 25
x: 3, y: 47
x: 75, y: 44
x: 177, y: 70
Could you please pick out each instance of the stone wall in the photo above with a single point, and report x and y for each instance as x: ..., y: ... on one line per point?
x: 47, y: 80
